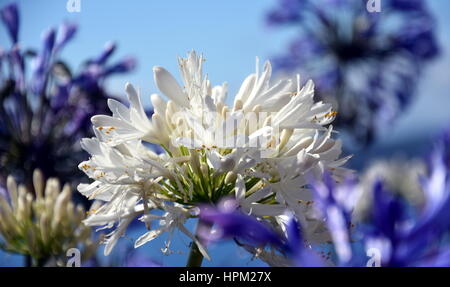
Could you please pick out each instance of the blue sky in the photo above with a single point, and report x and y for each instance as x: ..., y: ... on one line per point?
x: 230, y: 34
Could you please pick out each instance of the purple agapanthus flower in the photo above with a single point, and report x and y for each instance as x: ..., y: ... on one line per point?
x: 231, y: 223
x: 445, y: 141
x: 247, y: 231
x: 368, y: 64
x: 10, y: 16
x: 400, y: 234
x: 403, y: 236
x: 45, y: 107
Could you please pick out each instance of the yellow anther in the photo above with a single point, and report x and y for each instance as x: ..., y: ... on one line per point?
x: 271, y: 143
x: 92, y: 211
x: 331, y: 114
x: 102, y: 174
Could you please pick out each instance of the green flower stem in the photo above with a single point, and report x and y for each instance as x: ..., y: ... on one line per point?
x: 195, y: 256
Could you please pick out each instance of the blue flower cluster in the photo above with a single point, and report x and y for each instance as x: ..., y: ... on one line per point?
x: 368, y: 64
x: 395, y: 232
x: 45, y: 107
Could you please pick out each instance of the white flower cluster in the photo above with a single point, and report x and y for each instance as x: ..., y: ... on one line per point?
x: 260, y: 150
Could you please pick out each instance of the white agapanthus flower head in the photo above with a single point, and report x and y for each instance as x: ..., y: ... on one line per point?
x: 260, y: 150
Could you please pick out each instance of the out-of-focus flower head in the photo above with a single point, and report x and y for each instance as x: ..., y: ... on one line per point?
x: 367, y: 63
x: 231, y: 223
x: 413, y: 238
x: 401, y: 233
x: 43, y: 223
x: 398, y: 175
x: 281, y: 244
x: 395, y: 232
x: 45, y: 107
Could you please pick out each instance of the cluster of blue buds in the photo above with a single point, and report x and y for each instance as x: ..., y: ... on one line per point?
x: 45, y: 107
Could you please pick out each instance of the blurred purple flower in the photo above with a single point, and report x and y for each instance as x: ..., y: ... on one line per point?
x: 124, y: 66
x: 289, y: 11
x: 41, y: 63
x: 10, y: 17
x: 436, y: 213
x: 3, y: 192
x: 402, y: 5
x: 43, y: 118
x: 104, y: 56
x: 445, y: 141
x: 418, y: 39
x: 66, y: 32
x: 402, y: 235
x: 343, y: 47
x: 231, y: 223
x: 335, y: 202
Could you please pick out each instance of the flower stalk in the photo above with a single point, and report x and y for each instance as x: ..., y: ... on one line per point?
x: 195, y: 258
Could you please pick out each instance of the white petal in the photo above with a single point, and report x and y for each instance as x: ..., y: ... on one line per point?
x: 167, y: 84
x: 240, y: 188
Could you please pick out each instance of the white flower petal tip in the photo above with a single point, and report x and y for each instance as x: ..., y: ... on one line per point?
x: 130, y: 90
x: 167, y: 84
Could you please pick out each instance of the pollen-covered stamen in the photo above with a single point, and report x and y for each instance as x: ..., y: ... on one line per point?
x: 86, y: 166
x: 100, y: 175
x: 330, y: 114
x: 106, y: 130
x: 92, y: 211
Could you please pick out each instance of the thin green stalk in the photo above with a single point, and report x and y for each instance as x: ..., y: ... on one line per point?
x: 195, y: 258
